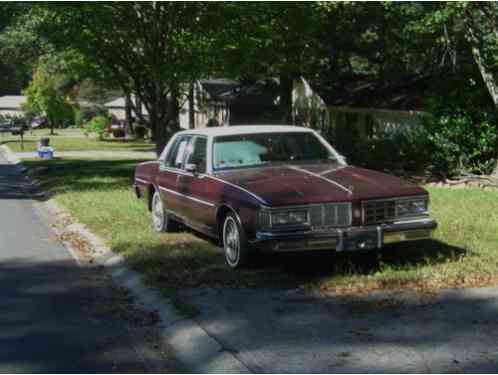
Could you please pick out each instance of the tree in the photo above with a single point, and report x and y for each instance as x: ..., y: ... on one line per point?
x: 261, y: 39
x: 47, y: 95
x: 14, y: 62
x: 481, y: 20
x: 467, y: 32
x: 149, y: 49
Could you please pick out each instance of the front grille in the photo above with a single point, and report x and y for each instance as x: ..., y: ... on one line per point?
x: 333, y: 214
x: 375, y: 212
x: 316, y: 216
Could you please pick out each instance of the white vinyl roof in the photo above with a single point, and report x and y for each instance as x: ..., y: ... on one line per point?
x: 245, y: 129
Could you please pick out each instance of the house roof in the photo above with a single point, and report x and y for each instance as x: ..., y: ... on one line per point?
x: 116, y: 103
x: 361, y: 92
x: 86, y: 104
x: 12, y: 101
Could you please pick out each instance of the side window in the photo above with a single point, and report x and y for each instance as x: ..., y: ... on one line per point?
x: 177, y: 153
x: 199, y: 154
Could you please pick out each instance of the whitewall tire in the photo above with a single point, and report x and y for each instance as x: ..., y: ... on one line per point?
x: 161, y: 221
x: 235, y: 245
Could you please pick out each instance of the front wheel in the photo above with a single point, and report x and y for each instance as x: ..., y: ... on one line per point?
x: 160, y: 219
x: 235, y: 245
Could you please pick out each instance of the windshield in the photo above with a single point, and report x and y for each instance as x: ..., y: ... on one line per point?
x: 249, y: 150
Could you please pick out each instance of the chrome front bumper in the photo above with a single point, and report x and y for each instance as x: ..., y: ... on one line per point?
x: 346, y: 239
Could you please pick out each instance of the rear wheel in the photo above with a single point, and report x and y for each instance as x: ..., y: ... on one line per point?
x: 235, y: 245
x: 161, y: 221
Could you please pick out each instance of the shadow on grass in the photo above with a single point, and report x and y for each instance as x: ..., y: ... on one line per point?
x: 200, y: 263
x: 132, y: 144
x: 77, y: 175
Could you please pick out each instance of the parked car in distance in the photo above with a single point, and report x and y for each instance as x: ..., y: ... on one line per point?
x: 5, y: 127
x: 38, y: 122
x: 11, y: 126
x: 278, y: 189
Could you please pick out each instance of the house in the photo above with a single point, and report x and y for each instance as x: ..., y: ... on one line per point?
x: 360, y: 108
x: 231, y: 102
x: 11, y: 105
x: 117, y: 108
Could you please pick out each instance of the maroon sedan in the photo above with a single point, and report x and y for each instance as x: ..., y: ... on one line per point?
x: 279, y: 189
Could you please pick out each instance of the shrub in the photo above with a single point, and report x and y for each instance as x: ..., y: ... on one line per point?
x: 98, y: 125
x: 406, y: 150
x: 85, y: 114
x: 461, y: 139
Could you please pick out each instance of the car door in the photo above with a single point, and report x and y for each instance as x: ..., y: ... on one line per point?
x: 195, y: 205
x: 171, y: 169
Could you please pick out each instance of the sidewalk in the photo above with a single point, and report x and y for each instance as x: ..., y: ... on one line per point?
x: 93, y: 154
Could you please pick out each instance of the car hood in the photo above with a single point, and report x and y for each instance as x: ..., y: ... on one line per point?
x: 307, y: 184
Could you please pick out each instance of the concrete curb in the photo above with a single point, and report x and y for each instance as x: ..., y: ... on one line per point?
x: 193, y: 347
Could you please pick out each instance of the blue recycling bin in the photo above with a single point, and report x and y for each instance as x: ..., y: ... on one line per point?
x: 46, y: 152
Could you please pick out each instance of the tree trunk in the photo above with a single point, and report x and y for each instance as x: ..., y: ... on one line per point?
x: 128, y: 115
x: 52, y: 125
x: 158, y: 131
x: 173, y: 123
x: 191, y: 106
x: 164, y: 120
x: 286, y: 86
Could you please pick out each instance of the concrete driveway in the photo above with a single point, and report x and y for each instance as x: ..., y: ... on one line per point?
x: 291, y: 332
x: 55, y: 316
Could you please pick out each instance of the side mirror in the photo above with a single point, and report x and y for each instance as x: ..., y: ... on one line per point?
x: 191, y: 168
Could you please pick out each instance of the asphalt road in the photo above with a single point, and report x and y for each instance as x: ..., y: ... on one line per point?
x: 55, y: 316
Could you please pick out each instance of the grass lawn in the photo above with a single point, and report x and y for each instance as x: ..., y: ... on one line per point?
x: 72, y: 140
x: 98, y: 193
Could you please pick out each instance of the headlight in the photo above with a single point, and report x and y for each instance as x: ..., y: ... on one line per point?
x: 411, y: 207
x: 275, y: 218
x: 289, y: 217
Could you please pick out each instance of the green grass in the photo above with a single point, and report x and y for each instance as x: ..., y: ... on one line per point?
x: 463, y: 253
x: 72, y: 140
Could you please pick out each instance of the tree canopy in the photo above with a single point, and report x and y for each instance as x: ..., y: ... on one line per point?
x: 154, y: 50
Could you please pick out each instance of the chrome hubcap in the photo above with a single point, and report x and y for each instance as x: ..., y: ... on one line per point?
x: 157, y: 212
x: 231, y: 240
